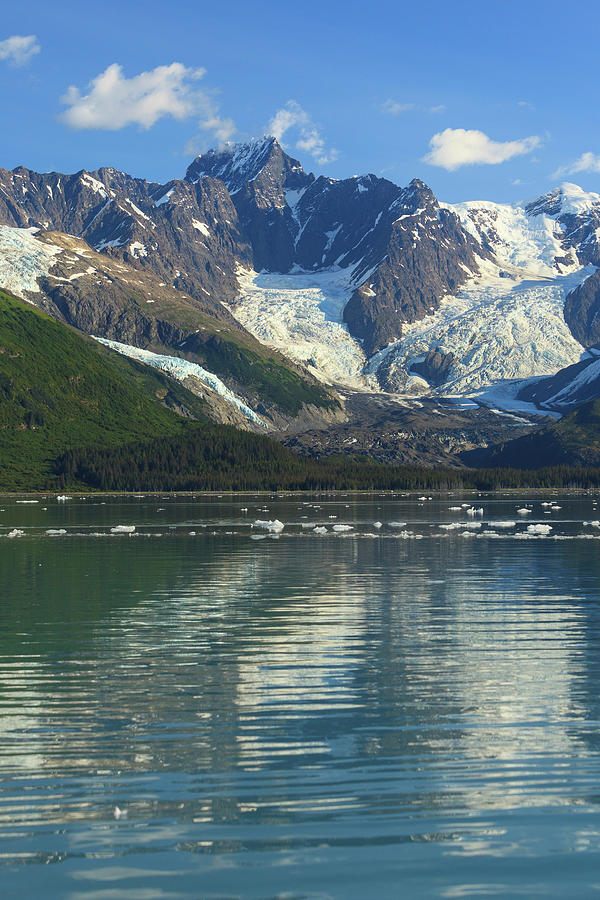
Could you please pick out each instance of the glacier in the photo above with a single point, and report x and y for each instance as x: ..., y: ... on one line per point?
x: 300, y: 313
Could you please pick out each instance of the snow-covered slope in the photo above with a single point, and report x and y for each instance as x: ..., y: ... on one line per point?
x: 23, y: 260
x: 181, y: 370
x: 508, y: 322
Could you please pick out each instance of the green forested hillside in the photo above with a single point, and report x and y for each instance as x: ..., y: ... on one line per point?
x: 573, y: 440
x: 59, y: 390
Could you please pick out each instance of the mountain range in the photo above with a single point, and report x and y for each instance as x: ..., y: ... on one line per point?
x: 275, y: 295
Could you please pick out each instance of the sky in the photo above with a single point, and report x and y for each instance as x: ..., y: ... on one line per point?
x: 493, y: 100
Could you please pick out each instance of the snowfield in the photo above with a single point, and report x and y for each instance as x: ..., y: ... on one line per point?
x: 301, y: 314
x: 23, y: 260
x: 180, y: 369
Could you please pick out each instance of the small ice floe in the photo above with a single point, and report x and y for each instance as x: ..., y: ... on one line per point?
x: 320, y: 529
x: 545, y: 503
x: 342, y: 528
x: 28, y: 501
x: 272, y: 525
x: 454, y: 508
x: 243, y: 509
x: 524, y: 511
x: 452, y: 526
x: 192, y: 533
x: 119, y: 813
x: 56, y: 531
x: 502, y: 524
x: 555, y: 507
x: 397, y: 524
x: 377, y: 524
x: 467, y: 534
x: 122, y: 529
x: 333, y: 517
x: 15, y: 533
x: 594, y: 524
x: 539, y: 529
x: 62, y: 497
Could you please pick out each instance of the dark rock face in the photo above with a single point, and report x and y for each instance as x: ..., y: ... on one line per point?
x: 435, y: 368
x: 188, y: 235
x: 406, y: 252
x: 582, y: 311
x: 428, y: 255
x: 261, y: 179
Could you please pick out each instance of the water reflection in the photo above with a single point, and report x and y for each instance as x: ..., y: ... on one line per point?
x: 266, y: 703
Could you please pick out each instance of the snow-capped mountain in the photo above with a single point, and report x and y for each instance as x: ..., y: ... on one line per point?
x: 363, y: 282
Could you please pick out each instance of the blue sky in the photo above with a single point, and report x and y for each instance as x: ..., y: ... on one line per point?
x: 493, y: 100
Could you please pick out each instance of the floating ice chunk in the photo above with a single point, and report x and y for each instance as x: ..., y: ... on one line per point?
x: 342, y: 528
x: 523, y: 511
x: 452, y: 526
x: 272, y: 525
x: 472, y: 525
x: 377, y: 524
x: 320, y: 529
x: 555, y: 507
x: 122, y: 529
x: 454, y: 508
x: 502, y: 524
x: 56, y: 531
x: 539, y: 529
x: 397, y: 524
x: 62, y: 497
x: 28, y: 501
x: 544, y: 503
x: 594, y: 524
x: 16, y: 532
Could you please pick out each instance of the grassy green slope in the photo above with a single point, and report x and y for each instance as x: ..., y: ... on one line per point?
x: 59, y: 390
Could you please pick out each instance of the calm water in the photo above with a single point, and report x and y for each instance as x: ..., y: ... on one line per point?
x: 404, y: 711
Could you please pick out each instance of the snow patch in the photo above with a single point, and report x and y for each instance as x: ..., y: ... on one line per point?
x: 24, y: 260
x: 180, y: 369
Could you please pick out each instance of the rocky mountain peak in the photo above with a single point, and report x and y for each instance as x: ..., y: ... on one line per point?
x: 237, y: 165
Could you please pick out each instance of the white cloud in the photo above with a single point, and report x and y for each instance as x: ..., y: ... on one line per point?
x: 18, y: 49
x: 587, y: 162
x: 292, y: 117
x: 393, y: 108
x: 114, y: 101
x: 456, y: 147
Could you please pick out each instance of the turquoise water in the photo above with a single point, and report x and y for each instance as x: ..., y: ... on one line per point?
x: 395, y: 711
